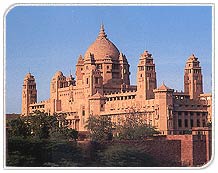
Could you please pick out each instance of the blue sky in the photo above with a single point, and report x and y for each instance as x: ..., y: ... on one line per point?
x: 45, y: 39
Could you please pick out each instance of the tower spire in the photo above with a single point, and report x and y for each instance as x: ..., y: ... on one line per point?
x: 101, y: 32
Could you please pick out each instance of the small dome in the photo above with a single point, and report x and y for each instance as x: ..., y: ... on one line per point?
x: 58, y: 73
x: 102, y: 47
x: 192, y: 58
x: 28, y: 76
x: 146, y: 54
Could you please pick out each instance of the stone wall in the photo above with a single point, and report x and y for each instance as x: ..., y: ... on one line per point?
x: 173, y: 150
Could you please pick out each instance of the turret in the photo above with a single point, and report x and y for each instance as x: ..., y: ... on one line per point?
x: 146, y: 77
x: 79, y: 68
x: 193, y: 82
x: 58, y: 81
x: 124, y: 65
x: 164, y: 103
x: 29, y: 93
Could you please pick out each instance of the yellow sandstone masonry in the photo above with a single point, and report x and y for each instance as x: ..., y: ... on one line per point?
x: 102, y: 87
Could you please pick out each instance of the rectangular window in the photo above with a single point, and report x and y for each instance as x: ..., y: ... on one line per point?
x: 150, y: 122
x: 203, y: 122
x: 87, y: 80
x: 141, y: 68
x: 83, y: 112
x: 99, y: 66
x: 102, y: 107
x: 192, y: 123
x: 186, y: 123
x: 96, y: 80
x: 179, y: 122
x: 198, y: 123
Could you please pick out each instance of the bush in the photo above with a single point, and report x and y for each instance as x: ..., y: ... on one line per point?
x: 35, y: 152
x: 125, y: 156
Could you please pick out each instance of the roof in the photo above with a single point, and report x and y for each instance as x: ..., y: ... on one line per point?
x: 192, y: 58
x: 29, y: 75
x: 146, y: 54
x: 102, y: 47
x: 58, y: 73
x: 97, y: 95
x: 163, y: 87
x: 80, y: 60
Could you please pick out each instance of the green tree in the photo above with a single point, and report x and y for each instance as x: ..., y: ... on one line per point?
x: 133, y: 127
x: 73, y: 134
x: 40, y: 125
x: 18, y: 127
x: 59, y: 128
x: 37, y: 152
x: 100, y: 128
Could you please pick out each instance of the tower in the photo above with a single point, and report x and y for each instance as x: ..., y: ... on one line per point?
x: 124, y: 65
x: 79, y: 69
x: 89, y: 67
x: 164, y: 104
x: 146, y: 77
x: 29, y: 93
x: 58, y: 82
x: 193, y: 83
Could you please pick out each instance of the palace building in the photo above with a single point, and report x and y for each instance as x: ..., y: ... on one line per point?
x: 102, y: 87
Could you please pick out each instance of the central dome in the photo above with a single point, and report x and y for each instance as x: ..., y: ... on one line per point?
x: 102, y: 47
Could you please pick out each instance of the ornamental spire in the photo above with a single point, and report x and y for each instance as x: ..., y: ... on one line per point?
x: 192, y: 58
x: 102, y: 33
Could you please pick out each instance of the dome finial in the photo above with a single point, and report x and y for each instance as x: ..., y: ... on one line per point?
x: 102, y: 33
x: 102, y: 26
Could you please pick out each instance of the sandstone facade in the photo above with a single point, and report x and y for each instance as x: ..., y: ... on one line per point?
x: 102, y: 87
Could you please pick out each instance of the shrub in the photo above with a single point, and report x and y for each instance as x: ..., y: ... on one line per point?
x: 120, y: 155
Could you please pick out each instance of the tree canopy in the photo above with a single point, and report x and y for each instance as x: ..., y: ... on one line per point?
x: 132, y: 126
x: 41, y: 125
x: 100, y: 128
